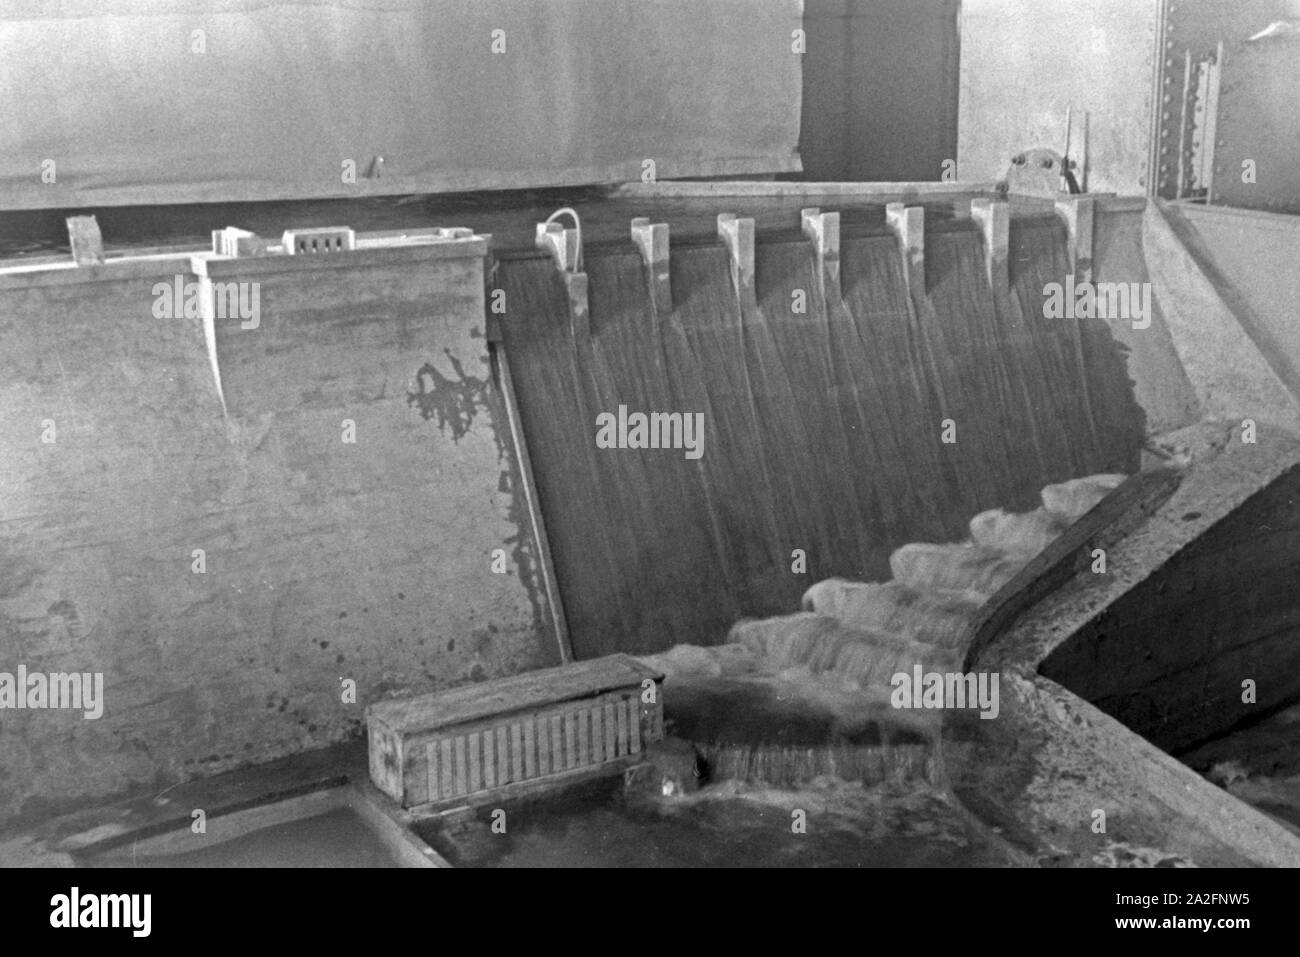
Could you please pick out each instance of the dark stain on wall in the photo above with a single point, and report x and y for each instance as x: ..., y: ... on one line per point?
x: 307, y: 541
x: 452, y: 401
x: 510, y: 483
x: 880, y: 83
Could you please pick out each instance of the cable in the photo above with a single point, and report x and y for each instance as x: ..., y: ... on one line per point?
x: 577, y: 227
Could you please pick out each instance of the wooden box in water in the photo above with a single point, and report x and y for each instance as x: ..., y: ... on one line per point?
x: 461, y: 746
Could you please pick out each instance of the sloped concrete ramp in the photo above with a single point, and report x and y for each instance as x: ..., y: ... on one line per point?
x: 1192, y: 628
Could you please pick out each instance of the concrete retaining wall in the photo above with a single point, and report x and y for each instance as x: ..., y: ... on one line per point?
x: 323, y: 559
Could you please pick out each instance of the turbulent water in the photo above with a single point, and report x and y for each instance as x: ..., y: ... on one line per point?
x: 854, y: 636
x: 802, y: 700
x: 737, y: 824
x: 794, y: 698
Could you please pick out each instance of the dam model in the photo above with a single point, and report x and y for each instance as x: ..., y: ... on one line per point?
x: 683, y: 515
x: 914, y: 485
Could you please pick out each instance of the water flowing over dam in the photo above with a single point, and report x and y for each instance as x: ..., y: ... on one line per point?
x: 824, y: 420
x: 817, y: 691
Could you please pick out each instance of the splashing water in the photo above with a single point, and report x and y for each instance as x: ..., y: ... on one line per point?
x: 837, y: 656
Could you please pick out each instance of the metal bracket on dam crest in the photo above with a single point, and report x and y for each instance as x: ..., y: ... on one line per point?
x: 908, y: 225
x: 1077, y: 214
x: 994, y: 220
x: 823, y: 230
x: 738, y: 236
x: 565, y: 247
x: 652, y: 242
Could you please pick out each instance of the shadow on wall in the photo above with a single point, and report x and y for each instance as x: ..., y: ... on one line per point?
x: 880, y: 81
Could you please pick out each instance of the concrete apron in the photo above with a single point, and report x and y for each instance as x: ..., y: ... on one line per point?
x: 1043, y: 771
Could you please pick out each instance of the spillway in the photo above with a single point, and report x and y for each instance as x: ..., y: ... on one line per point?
x: 824, y: 421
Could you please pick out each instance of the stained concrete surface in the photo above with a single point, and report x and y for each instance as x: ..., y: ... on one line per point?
x: 322, y: 560
x: 1058, y: 758
x: 1231, y: 376
x: 1251, y: 258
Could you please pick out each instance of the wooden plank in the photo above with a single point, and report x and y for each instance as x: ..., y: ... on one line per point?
x: 446, y: 768
x: 1111, y: 519
x: 543, y: 733
x: 611, y: 730
x: 571, y: 740
x: 584, y: 737
x: 524, y: 462
x: 431, y: 755
x: 503, y: 755
x: 557, y: 744
x: 518, y: 789
x: 475, y: 762
x: 517, y: 751
x: 518, y: 693
x: 621, y: 713
x: 540, y: 747
x: 634, y: 724
x: 490, y: 758
x: 530, y: 750
x: 385, y: 760
x: 462, y: 775
x: 597, y: 734
x: 555, y: 733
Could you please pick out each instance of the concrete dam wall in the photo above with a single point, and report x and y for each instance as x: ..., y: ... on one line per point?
x: 233, y: 529
x: 228, y: 573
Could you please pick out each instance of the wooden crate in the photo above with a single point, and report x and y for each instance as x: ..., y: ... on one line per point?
x: 462, y: 746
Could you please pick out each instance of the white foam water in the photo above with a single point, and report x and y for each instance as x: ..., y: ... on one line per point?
x: 852, y: 638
